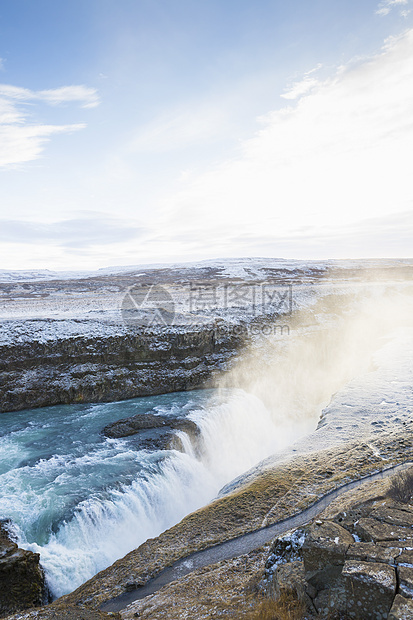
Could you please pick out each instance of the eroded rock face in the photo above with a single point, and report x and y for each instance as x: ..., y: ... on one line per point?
x: 81, y: 369
x: 21, y: 577
x: 371, y: 530
x: 405, y: 574
x: 324, y: 552
x: 290, y: 577
x: 393, y: 516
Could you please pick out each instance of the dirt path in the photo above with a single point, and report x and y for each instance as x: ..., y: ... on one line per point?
x: 240, y: 545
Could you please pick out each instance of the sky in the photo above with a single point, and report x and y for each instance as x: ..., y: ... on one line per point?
x: 150, y: 131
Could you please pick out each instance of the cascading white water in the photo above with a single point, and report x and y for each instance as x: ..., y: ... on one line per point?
x: 103, y: 530
x: 82, y: 501
x: 78, y: 533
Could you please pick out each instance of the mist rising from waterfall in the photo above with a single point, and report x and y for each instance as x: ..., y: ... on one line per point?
x: 83, y: 501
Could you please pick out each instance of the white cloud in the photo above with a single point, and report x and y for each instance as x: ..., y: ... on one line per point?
x: 96, y: 229
x: 21, y: 139
x: 298, y: 89
x: 302, y: 87
x: 88, y: 97
x: 19, y: 144
x: 387, y: 5
x: 340, y: 155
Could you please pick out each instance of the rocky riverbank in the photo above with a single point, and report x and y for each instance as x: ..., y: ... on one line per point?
x: 69, y: 340
x: 22, y: 582
x: 80, y: 369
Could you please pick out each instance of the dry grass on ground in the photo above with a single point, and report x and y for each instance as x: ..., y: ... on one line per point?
x: 287, y: 607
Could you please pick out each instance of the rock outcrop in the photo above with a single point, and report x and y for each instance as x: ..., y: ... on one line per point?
x: 22, y: 582
x: 359, y: 564
x: 154, y: 431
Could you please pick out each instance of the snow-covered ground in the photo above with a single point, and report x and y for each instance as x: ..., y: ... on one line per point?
x: 243, y: 268
x: 43, y: 305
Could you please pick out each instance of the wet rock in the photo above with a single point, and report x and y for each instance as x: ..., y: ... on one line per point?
x: 405, y: 574
x: 370, y: 589
x: 402, y: 609
x: 153, y: 432
x: 132, y: 425
x: 22, y: 582
x: 371, y: 530
x: 157, y: 439
x: 369, y: 552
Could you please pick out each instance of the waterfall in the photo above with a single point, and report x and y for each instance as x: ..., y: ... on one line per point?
x: 82, y: 501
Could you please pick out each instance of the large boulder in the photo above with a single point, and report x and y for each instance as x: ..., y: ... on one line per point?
x: 289, y: 578
x: 324, y: 552
x: 22, y: 582
x: 370, y: 589
x: 393, y: 516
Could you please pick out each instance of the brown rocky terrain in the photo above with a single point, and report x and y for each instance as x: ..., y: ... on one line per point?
x: 326, y: 566
x: 81, y: 369
x: 358, y: 563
